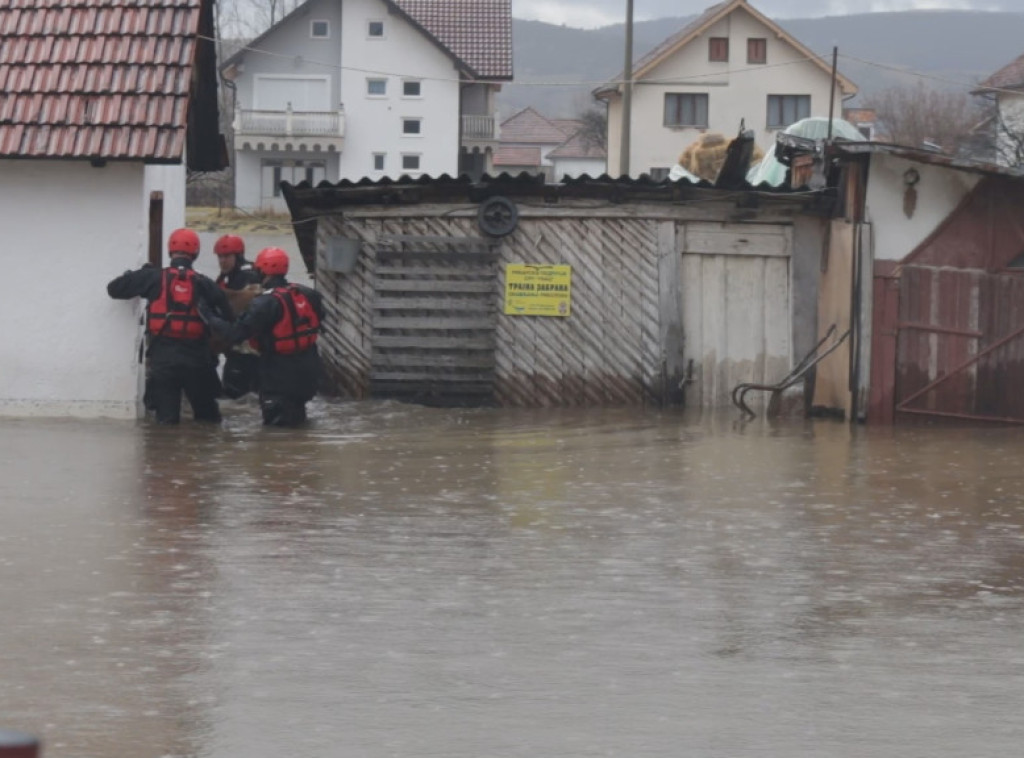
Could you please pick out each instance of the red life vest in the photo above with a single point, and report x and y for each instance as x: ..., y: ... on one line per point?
x: 299, y: 325
x: 174, y: 314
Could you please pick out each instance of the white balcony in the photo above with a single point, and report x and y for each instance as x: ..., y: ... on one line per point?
x: 479, y: 130
x: 288, y: 130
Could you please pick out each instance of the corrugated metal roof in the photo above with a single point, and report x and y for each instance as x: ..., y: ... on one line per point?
x: 102, y: 79
x: 927, y: 157
x: 477, y: 32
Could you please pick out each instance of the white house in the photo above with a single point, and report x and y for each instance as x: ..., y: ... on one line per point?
x: 368, y: 89
x: 731, y: 65
x: 1006, y: 129
x: 101, y: 103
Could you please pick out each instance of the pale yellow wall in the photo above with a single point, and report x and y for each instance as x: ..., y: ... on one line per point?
x: 737, y: 90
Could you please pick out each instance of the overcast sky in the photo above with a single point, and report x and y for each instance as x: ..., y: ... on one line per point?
x: 588, y: 14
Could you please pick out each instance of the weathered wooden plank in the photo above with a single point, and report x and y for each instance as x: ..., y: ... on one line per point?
x: 440, y: 256
x: 439, y: 303
x: 434, y: 285
x: 463, y: 272
x: 423, y: 342
x: 415, y: 390
x: 738, y: 239
x: 436, y: 322
x: 432, y: 377
x: 435, y: 239
x: 423, y: 360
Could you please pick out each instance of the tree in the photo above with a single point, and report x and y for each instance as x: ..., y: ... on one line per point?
x: 919, y: 116
x: 250, y: 18
x: 594, y: 132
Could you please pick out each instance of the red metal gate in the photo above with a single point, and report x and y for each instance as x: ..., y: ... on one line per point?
x: 960, y: 344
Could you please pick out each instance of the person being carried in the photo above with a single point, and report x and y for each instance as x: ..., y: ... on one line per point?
x: 241, y: 283
x: 284, y: 322
x: 180, y: 359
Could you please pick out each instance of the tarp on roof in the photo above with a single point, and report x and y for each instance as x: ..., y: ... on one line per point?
x: 770, y: 171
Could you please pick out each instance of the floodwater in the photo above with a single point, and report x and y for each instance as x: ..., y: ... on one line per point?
x: 405, y: 581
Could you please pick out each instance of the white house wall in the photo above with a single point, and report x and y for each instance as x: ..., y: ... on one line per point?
x: 374, y: 124
x: 276, y: 54
x: 170, y: 182
x: 575, y: 167
x: 68, y: 349
x: 939, y: 191
x: 737, y: 91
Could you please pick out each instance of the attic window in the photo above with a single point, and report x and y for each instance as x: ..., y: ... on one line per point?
x: 718, y: 49
x: 757, y: 50
x: 319, y: 29
x: 375, y: 29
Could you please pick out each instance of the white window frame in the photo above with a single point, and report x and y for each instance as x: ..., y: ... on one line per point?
x: 419, y: 162
x: 418, y: 83
x: 370, y: 79
x: 383, y: 161
x: 412, y: 120
x: 369, y: 27
x: 312, y: 28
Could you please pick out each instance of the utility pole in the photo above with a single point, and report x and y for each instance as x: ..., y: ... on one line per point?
x: 627, y: 92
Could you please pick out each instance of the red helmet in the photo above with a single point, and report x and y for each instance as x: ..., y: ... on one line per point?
x: 183, y: 241
x: 272, y: 261
x: 229, y: 244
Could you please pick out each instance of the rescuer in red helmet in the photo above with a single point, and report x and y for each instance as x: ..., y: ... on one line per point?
x: 241, y: 283
x: 284, y: 323
x: 180, y: 359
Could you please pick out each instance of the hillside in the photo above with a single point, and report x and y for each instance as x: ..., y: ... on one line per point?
x: 563, y: 65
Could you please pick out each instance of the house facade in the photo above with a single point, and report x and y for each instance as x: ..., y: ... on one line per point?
x: 1004, y: 132
x: 730, y: 66
x: 106, y: 154
x: 368, y: 89
x: 533, y: 143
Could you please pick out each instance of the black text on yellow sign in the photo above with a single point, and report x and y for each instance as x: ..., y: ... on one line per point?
x: 533, y: 290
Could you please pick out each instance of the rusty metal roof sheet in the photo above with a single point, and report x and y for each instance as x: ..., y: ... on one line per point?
x: 96, y: 79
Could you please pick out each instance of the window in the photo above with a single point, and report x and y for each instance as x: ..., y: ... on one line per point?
x: 319, y: 29
x: 757, y: 50
x: 659, y: 173
x: 784, y: 110
x: 686, y: 109
x: 718, y: 49
x: 378, y: 161
x: 376, y: 87
x: 411, y: 125
x: 410, y: 162
x: 375, y: 29
x: 411, y: 88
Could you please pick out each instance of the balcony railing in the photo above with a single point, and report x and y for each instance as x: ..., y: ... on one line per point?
x: 479, y: 127
x: 289, y: 123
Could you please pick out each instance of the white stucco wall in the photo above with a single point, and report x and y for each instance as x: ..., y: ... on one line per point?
x: 736, y: 91
x: 374, y: 124
x: 67, y: 349
x: 939, y: 192
x: 170, y: 180
x: 575, y: 167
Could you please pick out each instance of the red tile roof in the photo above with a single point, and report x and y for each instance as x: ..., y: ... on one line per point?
x: 477, y: 32
x: 517, y: 156
x: 578, y: 147
x: 1010, y: 76
x: 529, y: 126
x: 101, y: 79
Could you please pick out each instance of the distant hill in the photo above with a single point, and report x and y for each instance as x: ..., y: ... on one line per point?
x: 876, y: 50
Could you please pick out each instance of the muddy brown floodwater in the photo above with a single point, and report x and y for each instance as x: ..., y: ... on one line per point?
x: 404, y: 581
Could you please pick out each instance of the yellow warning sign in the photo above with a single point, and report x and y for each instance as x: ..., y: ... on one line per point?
x: 537, y: 290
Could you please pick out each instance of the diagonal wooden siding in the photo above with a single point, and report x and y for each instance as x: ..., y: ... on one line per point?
x: 606, y: 353
x: 615, y: 347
